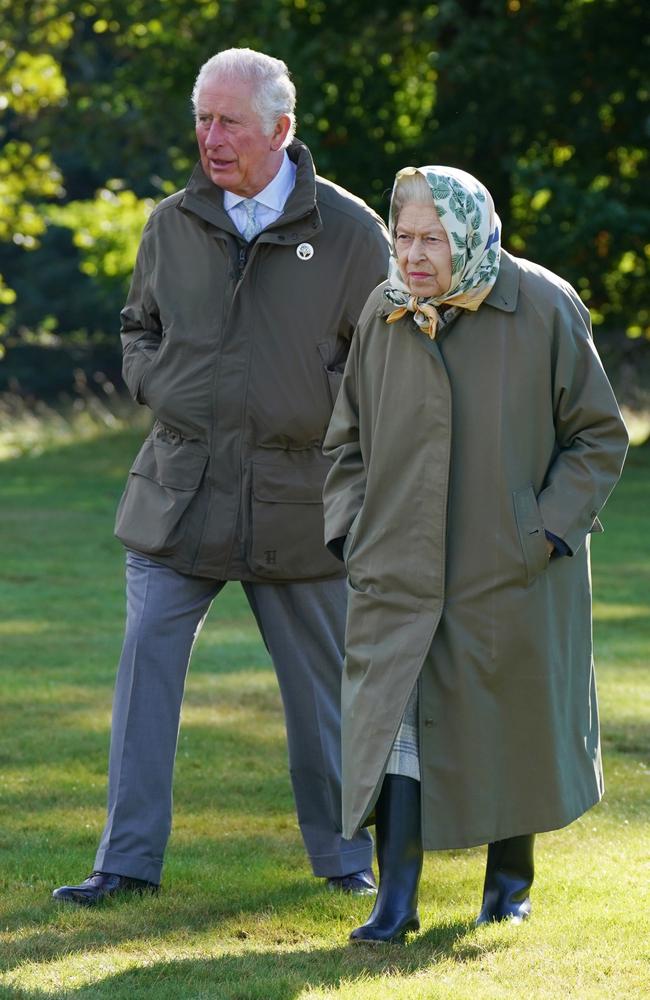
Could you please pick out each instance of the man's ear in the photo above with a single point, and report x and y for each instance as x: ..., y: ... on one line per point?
x: 280, y: 131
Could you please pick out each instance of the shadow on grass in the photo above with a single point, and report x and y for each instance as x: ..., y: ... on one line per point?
x: 284, y: 974
x: 626, y: 737
x: 214, y: 888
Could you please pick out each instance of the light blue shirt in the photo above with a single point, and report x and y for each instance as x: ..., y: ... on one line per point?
x: 270, y: 200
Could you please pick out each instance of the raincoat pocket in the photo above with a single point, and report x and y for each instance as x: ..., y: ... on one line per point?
x: 286, y: 529
x: 531, y: 532
x: 349, y: 538
x: 163, y: 480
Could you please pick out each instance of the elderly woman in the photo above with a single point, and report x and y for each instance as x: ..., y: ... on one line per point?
x: 474, y: 441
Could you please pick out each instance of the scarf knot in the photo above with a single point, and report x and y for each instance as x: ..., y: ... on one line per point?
x: 424, y: 314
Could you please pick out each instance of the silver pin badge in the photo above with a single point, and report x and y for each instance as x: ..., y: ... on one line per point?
x: 304, y: 251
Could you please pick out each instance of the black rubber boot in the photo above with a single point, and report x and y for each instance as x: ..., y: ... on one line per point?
x: 399, y: 856
x: 508, y: 877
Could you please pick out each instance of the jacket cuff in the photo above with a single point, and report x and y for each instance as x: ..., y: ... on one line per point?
x: 335, y: 546
x: 561, y: 547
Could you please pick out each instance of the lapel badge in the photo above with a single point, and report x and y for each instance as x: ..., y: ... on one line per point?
x: 304, y: 251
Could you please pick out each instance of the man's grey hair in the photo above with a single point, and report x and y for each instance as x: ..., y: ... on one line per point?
x: 274, y: 93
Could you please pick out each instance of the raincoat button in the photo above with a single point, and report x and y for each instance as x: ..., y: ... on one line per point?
x: 428, y: 722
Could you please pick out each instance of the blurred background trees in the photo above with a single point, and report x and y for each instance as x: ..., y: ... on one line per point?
x: 547, y: 101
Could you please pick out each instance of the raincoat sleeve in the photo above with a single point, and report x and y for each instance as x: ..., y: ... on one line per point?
x: 590, y: 433
x: 141, y: 329
x: 345, y: 484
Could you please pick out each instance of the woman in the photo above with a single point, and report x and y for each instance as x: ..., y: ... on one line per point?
x: 474, y: 441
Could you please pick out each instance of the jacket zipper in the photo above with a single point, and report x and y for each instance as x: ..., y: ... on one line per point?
x: 242, y: 261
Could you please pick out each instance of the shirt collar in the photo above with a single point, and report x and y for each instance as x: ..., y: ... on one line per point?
x: 276, y: 192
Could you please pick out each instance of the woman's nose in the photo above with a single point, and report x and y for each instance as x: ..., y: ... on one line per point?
x: 416, y: 250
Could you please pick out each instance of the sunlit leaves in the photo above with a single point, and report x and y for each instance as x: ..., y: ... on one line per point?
x: 106, y: 230
x: 32, y: 83
x: 26, y: 176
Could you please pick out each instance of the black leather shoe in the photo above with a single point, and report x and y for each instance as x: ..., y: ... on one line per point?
x: 357, y: 884
x: 98, y: 886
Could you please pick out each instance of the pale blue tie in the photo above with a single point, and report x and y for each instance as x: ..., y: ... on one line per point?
x: 252, y: 226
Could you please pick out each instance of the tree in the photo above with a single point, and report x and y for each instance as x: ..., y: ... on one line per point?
x: 545, y: 100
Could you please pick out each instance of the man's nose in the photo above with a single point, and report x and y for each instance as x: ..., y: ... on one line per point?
x: 215, y: 134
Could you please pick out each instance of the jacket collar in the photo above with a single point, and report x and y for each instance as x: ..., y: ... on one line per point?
x: 299, y: 221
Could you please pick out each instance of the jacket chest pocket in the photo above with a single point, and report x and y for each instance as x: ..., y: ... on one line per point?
x: 163, y: 481
x: 286, y: 523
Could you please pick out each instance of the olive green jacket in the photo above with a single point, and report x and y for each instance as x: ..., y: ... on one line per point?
x: 239, y: 353
x: 451, y: 459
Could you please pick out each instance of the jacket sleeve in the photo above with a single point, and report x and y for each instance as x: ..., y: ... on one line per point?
x: 141, y: 329
x: 345, y: 484
x: 372, y: 267
x: 591, y: 436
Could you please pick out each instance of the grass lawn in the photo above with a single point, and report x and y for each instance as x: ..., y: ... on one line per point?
x: 240, y: 916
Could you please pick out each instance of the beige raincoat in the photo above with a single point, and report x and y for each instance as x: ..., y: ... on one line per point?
x: 451, y: 458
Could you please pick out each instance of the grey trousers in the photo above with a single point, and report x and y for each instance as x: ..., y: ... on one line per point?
x: 302, y: 625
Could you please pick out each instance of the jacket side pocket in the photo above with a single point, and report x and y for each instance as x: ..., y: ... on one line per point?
x: 163, y: 480
x: 532, y: 537
x: 286, y: 540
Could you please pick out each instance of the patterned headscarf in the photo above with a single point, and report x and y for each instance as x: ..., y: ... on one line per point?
x: 466, y: 211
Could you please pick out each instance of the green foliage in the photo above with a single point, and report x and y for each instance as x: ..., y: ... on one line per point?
x: 545, y: 100
x: 107, y: 231
x: 26, y: 178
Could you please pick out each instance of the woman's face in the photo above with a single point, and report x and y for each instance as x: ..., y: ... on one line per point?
x: 423, y: 251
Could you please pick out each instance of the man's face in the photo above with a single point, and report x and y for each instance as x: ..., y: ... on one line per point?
x: 236, y: 154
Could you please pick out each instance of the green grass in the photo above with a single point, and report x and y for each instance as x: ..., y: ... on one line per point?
x: 240, y: 916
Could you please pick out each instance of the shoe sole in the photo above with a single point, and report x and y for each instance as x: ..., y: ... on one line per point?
x: 411, y: 928
x: 98, y: 900
x: 74, y: 901
x: 353, y: 892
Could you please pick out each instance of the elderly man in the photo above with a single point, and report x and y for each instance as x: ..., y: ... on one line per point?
x: 246, y: 291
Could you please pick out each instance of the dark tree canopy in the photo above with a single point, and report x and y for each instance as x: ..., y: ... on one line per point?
x: 545, y: 100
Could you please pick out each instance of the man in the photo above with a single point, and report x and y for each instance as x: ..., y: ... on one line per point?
x: 246, y: 291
